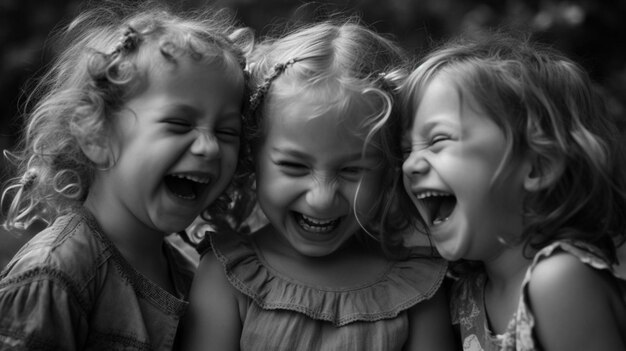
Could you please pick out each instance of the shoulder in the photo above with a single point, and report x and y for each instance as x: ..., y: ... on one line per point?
x: 67, y: 248
x: 562, y: 272
x: 213, y: 316
x: 221, y: 255
x: 52, y: 267
x: 564, y: 267
x: 565, y: 291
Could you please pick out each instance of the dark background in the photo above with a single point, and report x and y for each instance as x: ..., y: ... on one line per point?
x: 592, y: 32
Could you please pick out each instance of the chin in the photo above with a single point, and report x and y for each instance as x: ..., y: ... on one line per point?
x: 321, y: 250
x: 448, y: 253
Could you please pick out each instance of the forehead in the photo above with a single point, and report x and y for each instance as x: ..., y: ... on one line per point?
x: 328, y: 135
x: 185, y: 71
x: 341, y: 109
x: 439, y: 98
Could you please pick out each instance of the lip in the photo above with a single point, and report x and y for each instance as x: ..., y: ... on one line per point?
x: 201, y: 184
x: 315, y: 236
x: 196, y: 175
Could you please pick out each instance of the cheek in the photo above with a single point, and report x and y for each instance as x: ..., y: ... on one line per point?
x: 229, y: 160
x: 272, y: 186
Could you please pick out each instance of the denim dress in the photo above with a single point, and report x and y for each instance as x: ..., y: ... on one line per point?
x: 286, y: 314
x: 69, y: 288
x: 468, y: 307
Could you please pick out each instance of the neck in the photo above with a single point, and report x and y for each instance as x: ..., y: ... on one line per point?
x: 505, y: 275
x: 508, y: 268
x: 138, y: 244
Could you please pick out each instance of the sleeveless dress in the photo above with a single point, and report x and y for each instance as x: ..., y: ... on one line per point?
x: 468, y: 307
x: 286, y: 314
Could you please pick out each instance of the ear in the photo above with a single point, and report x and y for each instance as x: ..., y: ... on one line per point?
x: 543, y: 171
x: 96, y: 150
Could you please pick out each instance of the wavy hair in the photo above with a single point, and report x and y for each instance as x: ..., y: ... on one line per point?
x: 342, y: 63
x: 547, y: 107
x: 106, y: 54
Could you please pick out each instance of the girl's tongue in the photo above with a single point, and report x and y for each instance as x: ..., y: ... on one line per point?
x: 183, y: 188
x: 439, y: 208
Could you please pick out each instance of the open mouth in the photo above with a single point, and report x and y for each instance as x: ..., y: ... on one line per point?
x: 438, y: 206
x: 187, y: 186
x: 316, y: 225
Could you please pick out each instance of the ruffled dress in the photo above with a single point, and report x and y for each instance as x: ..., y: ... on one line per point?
x: 283, y: 313
x: 468, y: 305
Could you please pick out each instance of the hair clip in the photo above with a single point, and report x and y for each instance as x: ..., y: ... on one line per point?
x: 385, y: 83
x: 28, y: 178
x: 278, y: 69
x: 128, y: 41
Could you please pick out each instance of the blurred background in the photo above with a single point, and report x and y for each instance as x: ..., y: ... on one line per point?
x: 592, y: 32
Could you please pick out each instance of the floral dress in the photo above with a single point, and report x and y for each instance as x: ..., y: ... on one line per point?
x: 468, y: 307
x: 283, y: 313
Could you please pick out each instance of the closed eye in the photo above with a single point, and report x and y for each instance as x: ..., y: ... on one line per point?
x: 353, y: 170
x: 228, y: 134
x: 178, y: 125
x: 292, y: 168
x: 353, y: 173
x: 437, y: 139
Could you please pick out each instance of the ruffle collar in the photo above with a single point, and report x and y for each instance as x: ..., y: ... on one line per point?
x: 405, y: 284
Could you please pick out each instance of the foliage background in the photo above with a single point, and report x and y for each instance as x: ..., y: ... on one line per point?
x: 593, y: 32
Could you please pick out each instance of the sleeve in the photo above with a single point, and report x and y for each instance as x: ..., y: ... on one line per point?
x: 39, y: 311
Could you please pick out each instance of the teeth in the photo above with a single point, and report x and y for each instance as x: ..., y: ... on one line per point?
x: 317, y: 225
x: 194, y: 178
x: 186, y: 197
x: 317, y: 221
x: 426, y: 194
x: 439, y: 220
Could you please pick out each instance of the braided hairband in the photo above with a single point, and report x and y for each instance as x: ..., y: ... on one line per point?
x: 127, y: 42
x: 278, y: 69
x: 257, y: 98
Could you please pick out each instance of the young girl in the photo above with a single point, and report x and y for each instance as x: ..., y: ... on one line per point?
x: 513, y: 164
x: 315, y: 278
x: 136, y: 133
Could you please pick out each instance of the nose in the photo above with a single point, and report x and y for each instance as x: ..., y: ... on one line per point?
x: 205, y: 145
x: 322, y: 193
x: 415, y: 164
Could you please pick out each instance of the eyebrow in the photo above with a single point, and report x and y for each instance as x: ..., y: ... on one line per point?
x: 193, y: 112
x: 181, y: 108
x: 433, y: 122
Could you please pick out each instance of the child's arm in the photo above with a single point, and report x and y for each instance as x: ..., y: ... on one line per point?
x: 430, y: 325
x: 212, y: 320
x: 576, y: 307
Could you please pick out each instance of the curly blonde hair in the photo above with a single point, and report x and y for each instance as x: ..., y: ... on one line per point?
x: 106, y: 51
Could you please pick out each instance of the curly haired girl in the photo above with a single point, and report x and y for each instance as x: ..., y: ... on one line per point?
x: 135, y: 133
